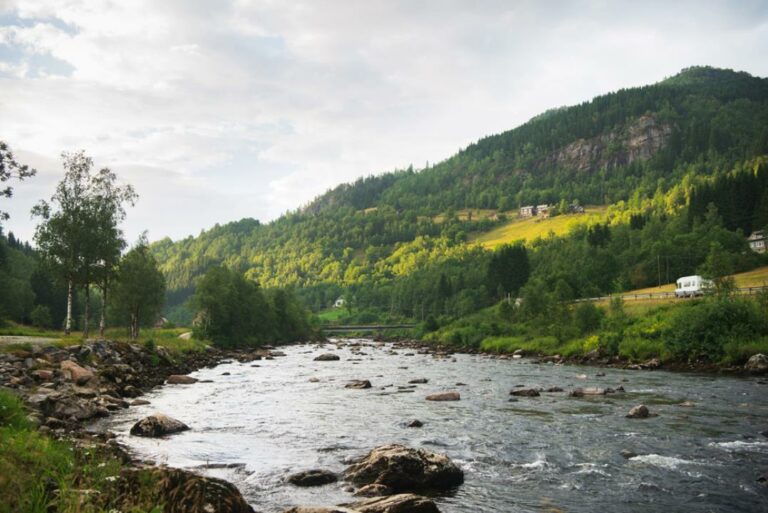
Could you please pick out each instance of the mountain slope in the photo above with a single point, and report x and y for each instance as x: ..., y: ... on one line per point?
x: 624, y: 146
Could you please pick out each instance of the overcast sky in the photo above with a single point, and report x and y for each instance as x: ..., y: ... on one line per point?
x: 219, y: 110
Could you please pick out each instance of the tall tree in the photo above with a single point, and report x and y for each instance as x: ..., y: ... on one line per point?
x: 10, y: 168
x: 139, y: 289
x: 80, y: 237
x: 106, y: 211
x: 508, y: 269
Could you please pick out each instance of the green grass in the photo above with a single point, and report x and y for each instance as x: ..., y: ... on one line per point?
x: 530, y: 228
x: 331, y: 315
x: 39, y: 474
x: 545, y: 345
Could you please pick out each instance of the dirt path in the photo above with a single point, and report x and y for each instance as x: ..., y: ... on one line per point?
x: 6, y: 340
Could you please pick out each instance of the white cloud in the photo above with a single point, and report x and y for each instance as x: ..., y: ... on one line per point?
x: 220, y: 110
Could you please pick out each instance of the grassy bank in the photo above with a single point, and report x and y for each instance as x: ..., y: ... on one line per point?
x: 714, y: 330
x: 39, y: 474
x: 160, y: 337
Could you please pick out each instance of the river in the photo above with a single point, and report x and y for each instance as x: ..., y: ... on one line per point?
x: 552, y: 453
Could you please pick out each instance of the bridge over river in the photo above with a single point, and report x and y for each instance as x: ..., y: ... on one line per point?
x: 351, y: 328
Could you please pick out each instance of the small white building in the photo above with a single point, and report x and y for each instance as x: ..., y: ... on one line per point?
x: 527, y: 211
x: 542, y: 210
x: 339, y: 302
x: 757, y: 241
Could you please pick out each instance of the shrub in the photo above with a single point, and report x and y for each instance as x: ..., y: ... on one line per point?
x: 587, y: 317
x: 700, y: 331
x: 41, y: 317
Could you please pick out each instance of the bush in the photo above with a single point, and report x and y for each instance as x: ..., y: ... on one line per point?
x: 41, y: 317
x: 587, y: 317
x: 701, y: 331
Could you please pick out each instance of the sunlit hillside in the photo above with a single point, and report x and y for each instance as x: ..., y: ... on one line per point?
x: 532, y: 227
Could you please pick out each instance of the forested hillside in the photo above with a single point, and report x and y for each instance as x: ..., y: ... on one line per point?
x: 395, y: 245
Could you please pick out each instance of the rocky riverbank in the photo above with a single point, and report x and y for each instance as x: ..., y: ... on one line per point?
x: 757, y: 364
x: 66, y: 388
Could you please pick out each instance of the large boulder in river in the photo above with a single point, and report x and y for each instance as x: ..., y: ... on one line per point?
x: 327, y: 357
x: 402, y: 503
x: 157, y: 425
x: 639, y: 412
x: 180, y: 379
x: 757, y: 363
x: 405, y: 469
x: 313, y: 477
x: 76, y: 373
x: 444, y: 396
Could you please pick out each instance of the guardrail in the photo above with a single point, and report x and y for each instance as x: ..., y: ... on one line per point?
x: 742, y: 291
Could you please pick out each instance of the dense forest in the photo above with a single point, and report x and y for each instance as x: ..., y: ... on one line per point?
x: 664, y: 157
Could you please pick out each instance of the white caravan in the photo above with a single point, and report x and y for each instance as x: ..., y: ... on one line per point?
x: 690, y: 286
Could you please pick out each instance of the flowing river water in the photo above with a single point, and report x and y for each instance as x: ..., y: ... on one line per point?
x: 265, y: 420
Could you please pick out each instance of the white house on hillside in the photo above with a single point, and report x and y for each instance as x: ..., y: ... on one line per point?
x: 757, y: 242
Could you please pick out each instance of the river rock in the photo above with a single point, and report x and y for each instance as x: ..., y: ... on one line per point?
x: 315, y: 509
x: 181, y: 379
x: 581, y: 392
x: 525, y: 392
x: 554, y: 389
x: 157, y: 425
x: 76, y: 373
x: 314, y: 380
x: 313, y: 477
x: 358, y: 384
x: 43, y: 374
x: 444, y: 396
x: 327, y: 357
x: 184, y: 491
x: 405, y: 469
x: 638, y: 412
x: 374, y: 490
x: 757, y: 363
x: 401, y: 503
x: 139, y: 402
x: 419, y: 381
x: 415, y: 424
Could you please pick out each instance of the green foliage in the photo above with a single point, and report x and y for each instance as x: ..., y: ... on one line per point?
x: 41, y: 317
x: 139, y: 290
x: 508, y: 269
x: 12, y: 412
x: 234, y: 312
x: 702, y: 330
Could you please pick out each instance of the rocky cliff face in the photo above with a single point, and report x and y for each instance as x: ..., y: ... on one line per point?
x: 638, y: 141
